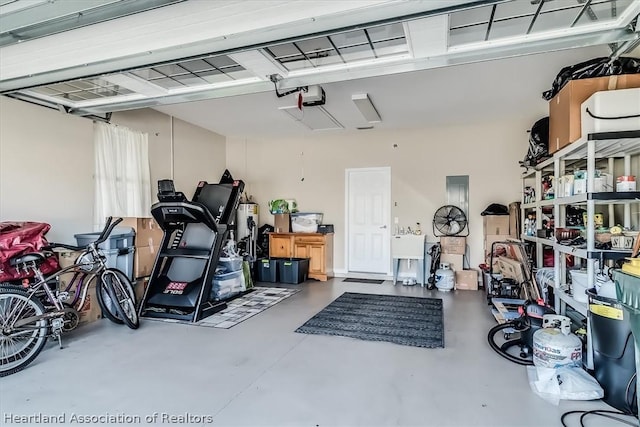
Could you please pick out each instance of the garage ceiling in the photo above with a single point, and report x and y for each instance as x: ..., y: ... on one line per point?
x: 198, y: 60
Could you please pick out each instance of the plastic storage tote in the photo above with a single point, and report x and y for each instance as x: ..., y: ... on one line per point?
x: 120, y: 237
x: 118, y: 248
x: 268, y: 270
x: 122, y: 259
x: 305, y: 222
x: 229, y: 265
x: 293, y: 270
x: 227, y: 285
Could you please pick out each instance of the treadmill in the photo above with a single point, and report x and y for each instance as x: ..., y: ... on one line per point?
x: 194, y: 234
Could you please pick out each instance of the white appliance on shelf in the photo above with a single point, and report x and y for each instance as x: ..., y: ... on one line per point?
x: 611, y: 111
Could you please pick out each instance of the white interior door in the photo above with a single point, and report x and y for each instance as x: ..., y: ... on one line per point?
x: 368, y: 211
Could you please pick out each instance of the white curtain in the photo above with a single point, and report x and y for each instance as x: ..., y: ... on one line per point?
x: 122, y: 178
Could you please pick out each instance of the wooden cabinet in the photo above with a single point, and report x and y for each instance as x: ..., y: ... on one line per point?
x: 280, y: 246
x: 317, y: 247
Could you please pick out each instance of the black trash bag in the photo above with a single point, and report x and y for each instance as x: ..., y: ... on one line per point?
x: 495, y: 209
x: 597, y: 67
x: 538, y: 143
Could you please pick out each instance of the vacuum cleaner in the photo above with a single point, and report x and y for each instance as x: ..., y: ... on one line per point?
x: 518, y: 333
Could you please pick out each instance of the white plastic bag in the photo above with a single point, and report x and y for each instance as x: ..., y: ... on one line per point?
x: 564, y: 383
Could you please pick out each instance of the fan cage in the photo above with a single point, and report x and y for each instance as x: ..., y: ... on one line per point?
x: 449, y: 220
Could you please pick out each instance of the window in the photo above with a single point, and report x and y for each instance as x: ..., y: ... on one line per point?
x: 122, y: 178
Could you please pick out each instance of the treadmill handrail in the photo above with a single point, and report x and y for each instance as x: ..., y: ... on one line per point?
x: 205, y: 215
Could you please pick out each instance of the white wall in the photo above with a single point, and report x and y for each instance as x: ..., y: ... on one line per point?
x: 46, y: 168
x: 177, y: 150
x: 46, y: 162
x: 488, y: 152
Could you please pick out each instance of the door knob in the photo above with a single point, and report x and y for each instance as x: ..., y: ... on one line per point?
x: 384, y: 226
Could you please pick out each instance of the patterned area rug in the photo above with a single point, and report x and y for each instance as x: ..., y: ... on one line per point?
x: 402, y: 320
x: 241, y: 308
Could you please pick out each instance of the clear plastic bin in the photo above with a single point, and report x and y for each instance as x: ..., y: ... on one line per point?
x: 229, y: 265
x: 227, y: 285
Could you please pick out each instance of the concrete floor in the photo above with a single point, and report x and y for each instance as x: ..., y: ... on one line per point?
x: 261, y: 373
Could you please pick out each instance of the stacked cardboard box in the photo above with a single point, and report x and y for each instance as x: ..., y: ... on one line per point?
x: 90, y: 310
x: 140, y: 287
x: 147, y: 242
x: 495, y: 229
x: 564, y: 108
x: 453, y: 251
x: 282, y: 223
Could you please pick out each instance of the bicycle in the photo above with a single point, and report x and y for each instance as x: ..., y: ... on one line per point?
x: 26, y: 323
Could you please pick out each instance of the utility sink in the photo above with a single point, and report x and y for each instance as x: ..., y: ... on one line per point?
x: 409, y: 246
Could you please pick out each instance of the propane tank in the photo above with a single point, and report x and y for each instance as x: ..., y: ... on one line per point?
x: 554, y: 345
x: 444, y: 277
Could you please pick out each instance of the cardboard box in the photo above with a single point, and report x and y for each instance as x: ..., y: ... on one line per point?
x: 495, y: 224
x: 143, y: 262
x: 565, y: 107
x: 454, y: 245
x: 455, y: 261
x: 282, y: 223
x: 467, y: 280
x: 565, y: 186
x: 90, y: 311
x: 514, y: 220
x: 66, y: 258
x: 148, y: 232
x: 511, y: 269
x: 140, y: 287
x: 488, y: 244
x: 602, y: 183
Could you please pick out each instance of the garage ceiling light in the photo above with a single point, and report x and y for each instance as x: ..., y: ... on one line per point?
x: 366, y: 107
x: 314, y: 118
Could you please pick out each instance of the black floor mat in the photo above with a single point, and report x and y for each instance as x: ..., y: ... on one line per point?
x: 402, y: 320
x: 372, y: 281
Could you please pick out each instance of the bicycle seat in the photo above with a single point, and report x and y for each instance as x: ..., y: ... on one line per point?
x: 32, y: 257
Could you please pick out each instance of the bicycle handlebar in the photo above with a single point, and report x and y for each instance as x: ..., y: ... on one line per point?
x: 62, y: 245
x: 108, y: 228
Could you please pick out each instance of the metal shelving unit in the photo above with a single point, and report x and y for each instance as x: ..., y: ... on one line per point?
x: 594, y: 147
x: 609, y: 145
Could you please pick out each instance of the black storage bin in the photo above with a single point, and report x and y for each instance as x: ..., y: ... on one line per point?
x: 267, y: 270
x: 293, y: 270
x: 613, y: 351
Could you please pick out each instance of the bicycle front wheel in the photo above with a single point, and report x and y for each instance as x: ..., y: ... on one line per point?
x: 21, y: 344
x: 121, y: 300
x: 106, y: 303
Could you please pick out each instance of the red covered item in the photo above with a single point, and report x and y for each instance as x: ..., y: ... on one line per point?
x: 18, y: 238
